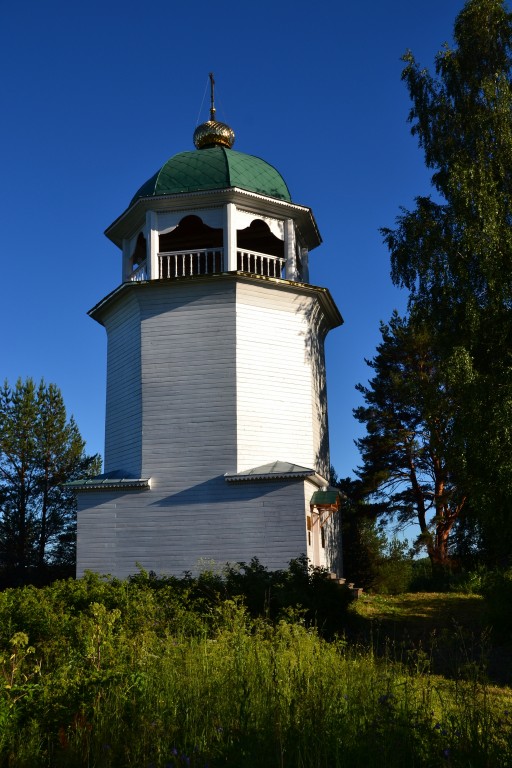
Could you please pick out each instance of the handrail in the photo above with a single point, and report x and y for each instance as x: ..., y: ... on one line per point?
x: 260, y: 263
x: 208, y: 261
x: 140, y: 273
x: 204, y: 261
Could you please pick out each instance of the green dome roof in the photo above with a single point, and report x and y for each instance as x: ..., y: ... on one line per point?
x: 215, y: 168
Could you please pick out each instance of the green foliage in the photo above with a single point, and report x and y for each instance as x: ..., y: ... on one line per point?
x: 461, y: 580
x: 99, y: 672
x: 369, y: 559
x: 454, y: 253
x: 406, y: 470
x: 461, y: 247
x: 363, y: 543
x: 302, y: 591
x: 40, y: 449
x: 394, y: 572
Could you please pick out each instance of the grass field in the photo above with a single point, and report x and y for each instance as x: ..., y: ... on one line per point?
x: 106, y: 674
x: 452, y: 629
x: 423, y: 612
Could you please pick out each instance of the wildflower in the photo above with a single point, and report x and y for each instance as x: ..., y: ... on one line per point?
x: 446, y: 753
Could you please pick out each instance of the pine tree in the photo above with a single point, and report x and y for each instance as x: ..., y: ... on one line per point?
x: 453, y: 252
x: 40, y: 449
x: 406, y: 469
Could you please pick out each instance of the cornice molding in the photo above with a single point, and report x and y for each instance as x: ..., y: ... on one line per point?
x: 330, y: 310
x: 131, y: 220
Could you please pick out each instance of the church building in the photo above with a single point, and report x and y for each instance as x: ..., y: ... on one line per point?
x: 216, y: 441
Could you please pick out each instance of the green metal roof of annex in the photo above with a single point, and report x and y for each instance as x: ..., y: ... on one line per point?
x: 215, y: 167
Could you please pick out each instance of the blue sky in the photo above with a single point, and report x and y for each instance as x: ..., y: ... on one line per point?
x: 97, y: 96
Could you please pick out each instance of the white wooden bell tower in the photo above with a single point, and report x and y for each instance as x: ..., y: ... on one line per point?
x: 216, y: 412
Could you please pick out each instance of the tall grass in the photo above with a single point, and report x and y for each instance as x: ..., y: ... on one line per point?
x: 121, y: 675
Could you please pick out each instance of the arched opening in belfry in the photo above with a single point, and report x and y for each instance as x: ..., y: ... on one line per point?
x: 139, y: 254
x: 191, y: 248
x: 191, y: 234
x: 259, y: 251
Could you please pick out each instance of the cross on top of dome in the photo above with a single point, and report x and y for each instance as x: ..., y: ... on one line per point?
x: 213, y: 133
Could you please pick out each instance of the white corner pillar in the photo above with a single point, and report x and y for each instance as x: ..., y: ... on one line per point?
x: 304, y: 257
x: 152, y: 245
x: 290, y: 250
x: 127, y: 262
x: 230, y: 256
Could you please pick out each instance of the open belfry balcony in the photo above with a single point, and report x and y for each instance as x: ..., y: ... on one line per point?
x: 193, y: 248
x: 208, y: 262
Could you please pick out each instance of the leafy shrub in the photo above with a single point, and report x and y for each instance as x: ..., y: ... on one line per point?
x: 302, y: 590
x: 394, y: 571
x: 469, y: 582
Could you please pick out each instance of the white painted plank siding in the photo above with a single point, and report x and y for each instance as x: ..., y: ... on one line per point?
x: 245, y: 520
x: 205, y: 376
x: 188, y: 383
x: 279, y: 379
x: 123, y: 425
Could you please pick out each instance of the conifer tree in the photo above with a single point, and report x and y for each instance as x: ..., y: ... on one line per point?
x: 406, y: 468
x: 40, y: 449
x: 453, y: 252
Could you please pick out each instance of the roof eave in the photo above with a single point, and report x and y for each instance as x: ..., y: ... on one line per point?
x: 330, y: 310
x: 310, y: 475
x: 132, y: 484
x: 127, y: 224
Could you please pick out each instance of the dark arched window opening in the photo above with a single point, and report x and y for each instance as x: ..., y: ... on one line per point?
x: 259, y: 251
x: 191, y: 234
x: 258, y: 237
x: 192, y: 248
x: 140, y: 253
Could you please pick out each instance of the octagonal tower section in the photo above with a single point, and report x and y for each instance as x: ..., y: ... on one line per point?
x: 216, y: 436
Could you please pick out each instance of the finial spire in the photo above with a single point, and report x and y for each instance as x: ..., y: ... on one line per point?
x: 212, y: 97
x: 212, y: 133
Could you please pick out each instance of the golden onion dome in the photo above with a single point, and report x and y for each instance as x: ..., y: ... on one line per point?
x: 213, y: 134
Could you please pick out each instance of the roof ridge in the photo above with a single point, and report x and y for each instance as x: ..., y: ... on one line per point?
x: 228, y: 165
